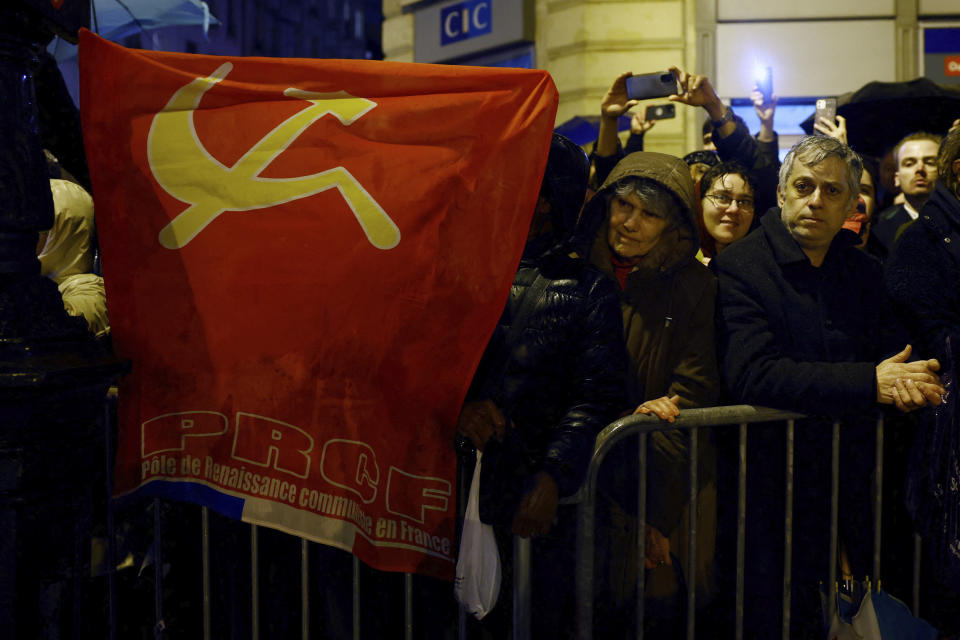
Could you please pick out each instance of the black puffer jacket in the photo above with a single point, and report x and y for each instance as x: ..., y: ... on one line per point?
x: 565, y: 378
x: 565, y: 375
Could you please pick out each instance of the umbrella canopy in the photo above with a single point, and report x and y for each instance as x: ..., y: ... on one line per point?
x: 116, y: 20
x: 584, y: 129
x: 881, y: 113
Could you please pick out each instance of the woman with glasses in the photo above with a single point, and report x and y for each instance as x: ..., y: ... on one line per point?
x: 727, y: 208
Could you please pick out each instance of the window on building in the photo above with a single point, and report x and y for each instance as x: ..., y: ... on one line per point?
x: 358, y: 24
x: 520, y: 57
x: 786, y: 121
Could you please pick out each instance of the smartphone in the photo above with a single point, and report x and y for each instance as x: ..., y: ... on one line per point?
x: 660, y: 112
x: 651, y: 85
x: 826, y: 108
x: 765, y: 83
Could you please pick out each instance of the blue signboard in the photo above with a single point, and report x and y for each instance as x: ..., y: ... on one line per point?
x: 465, y: 20
x: 941, y: 54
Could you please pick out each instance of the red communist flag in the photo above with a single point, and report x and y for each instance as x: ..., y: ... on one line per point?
x: 304, y: 260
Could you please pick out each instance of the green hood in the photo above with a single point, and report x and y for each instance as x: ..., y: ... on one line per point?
x: 676, y: 246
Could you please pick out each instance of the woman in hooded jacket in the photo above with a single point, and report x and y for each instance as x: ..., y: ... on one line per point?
x: 647, y: 240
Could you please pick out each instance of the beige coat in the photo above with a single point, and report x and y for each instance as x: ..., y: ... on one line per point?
x: 668, y: 313
x: 668, y: 302
x: 67, y: 256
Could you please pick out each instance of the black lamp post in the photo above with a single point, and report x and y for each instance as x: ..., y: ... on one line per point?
x: 53, y: 374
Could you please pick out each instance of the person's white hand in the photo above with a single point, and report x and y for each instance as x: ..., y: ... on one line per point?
x: 694, y: 90
x: 535, y: 513
x: 657, y: 549
x: 764, y: 109
x: 836, y: 130
x: 615, y: 102
x: 664, y: 408
x: 909, y: 385
x: 639, y: 125
x: 479, y: 421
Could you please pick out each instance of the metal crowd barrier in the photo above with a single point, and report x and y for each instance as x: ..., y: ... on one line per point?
x: 160, y: 624
x: 690, y: 421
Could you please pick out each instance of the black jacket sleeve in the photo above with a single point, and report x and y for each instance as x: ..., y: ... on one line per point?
x: 921, y: 279
x: 761, y: 158
x: 597, y: 391
x: 603, y: 165
x: 634, y: 143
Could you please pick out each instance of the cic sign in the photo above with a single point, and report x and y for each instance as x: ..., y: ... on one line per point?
x: 465, y: 20
x: 457, y: 30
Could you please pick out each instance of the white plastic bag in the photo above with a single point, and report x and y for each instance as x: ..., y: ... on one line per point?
x: 879, y: 616
x: 477, y: 582
x: 862, y: 625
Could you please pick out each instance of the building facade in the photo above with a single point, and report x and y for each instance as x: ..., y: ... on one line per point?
x: 816, y: 48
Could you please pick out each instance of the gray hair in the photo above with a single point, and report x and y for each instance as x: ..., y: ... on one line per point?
x: 656, y: 198
x: 812, y: 150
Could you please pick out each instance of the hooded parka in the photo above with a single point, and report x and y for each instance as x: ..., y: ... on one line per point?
x: 667, y: 303
x: 668, y: 300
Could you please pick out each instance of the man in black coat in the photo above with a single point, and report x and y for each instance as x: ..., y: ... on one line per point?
x: 923, y: 280
x: 803, y: 326
x: 923, y: 273
x: 800, y: 310
x: 544, y: 390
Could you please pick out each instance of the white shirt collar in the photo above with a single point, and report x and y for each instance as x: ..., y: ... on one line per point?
x: 913, y: 213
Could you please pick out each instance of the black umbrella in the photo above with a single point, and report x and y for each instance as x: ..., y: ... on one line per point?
x: 881, y: 113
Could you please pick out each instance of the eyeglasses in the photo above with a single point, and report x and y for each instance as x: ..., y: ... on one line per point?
x: 723, y: 201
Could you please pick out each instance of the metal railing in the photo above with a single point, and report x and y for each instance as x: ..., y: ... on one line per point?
x: 691, y: 421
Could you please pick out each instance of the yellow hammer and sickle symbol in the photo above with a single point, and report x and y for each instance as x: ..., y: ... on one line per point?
x: 187, y: 171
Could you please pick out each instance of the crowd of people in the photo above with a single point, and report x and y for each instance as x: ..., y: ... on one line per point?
x: 724, y: 277
x: 650, y: 284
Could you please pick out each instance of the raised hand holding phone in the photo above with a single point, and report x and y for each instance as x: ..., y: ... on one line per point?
x: 826, y: 112
x: 616, y: 102
x: 696, y: 91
